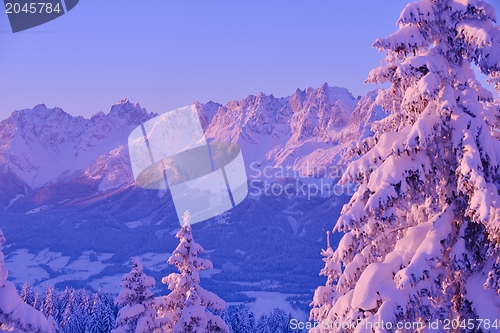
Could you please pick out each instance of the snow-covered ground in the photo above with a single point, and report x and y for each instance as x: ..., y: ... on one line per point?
x: 267, y: 301
x: 154, y: 261
x: 37, y: 210
x: 26, y: 267
x: 109, y: 283
x: 13, y: 200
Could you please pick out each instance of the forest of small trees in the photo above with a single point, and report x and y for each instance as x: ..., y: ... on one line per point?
x: 85, y: 311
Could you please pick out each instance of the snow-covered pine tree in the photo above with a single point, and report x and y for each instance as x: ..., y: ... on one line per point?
x: 14, y: 313
x: 137, y: 302
x: 238, y: 321
x: 101, y: 315
x: 49, y: 306
x: 278, y: 321
x: 189, y: 307
x: 324, y: 295
x: 84, y: 300
x: 74, y: 318
x: 110, y: 311
x: 27, y: 294
x: 107, y: 316
x: 262, y: 325
x: 37, y: 303
x: 250, y: 320
x: 242, y: 320
x: 94, y: 324
x: 227, y: 319
x: 422, y: 231
x: 50, y: 302
x: 62, y: 303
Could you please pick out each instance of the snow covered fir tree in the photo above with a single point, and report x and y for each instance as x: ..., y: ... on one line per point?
x: 137, y: 302
x: 102, y: 318
x: 15, y: 315
x: 189, y: 307
x: 421, y: 242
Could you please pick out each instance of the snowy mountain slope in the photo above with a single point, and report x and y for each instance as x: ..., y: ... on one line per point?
x: 305, y: 131
x: 302, y: 129
x: 42, y: 146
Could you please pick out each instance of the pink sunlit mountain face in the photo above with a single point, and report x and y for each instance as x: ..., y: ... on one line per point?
x: 42, y: 146
x: 313, y: 127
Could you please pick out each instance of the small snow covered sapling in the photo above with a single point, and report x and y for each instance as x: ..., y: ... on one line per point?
x: 137, y: 302
x: 189, y: 307
x: 422, y: 232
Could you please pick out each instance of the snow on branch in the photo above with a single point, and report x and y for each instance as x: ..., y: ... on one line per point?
x: 474, y: 33
x: 353, y: 269
x: 486, y: 10
x: 429, y: 85
x: 417, y: 12
x: 424, y: 130
x: 390, y: 181
x: 407, y: 39
x: 381, y: 74
x: 483, y: 94
x: 473, y: 8
x: 490, y: 61
x: 429, y: 251
x: 360, y: 169
x: 494, y: 78
x: 433, y: 61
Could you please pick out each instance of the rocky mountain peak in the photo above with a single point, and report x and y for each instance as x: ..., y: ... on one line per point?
x: 45, y: 145
x: 128, y: 113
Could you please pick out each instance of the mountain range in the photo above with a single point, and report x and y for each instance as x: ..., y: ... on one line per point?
x: 72, y: 214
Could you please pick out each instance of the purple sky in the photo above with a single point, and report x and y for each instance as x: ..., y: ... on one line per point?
x: 166, y: 54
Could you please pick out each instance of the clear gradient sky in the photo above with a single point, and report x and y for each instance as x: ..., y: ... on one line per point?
x: 166, y: 54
